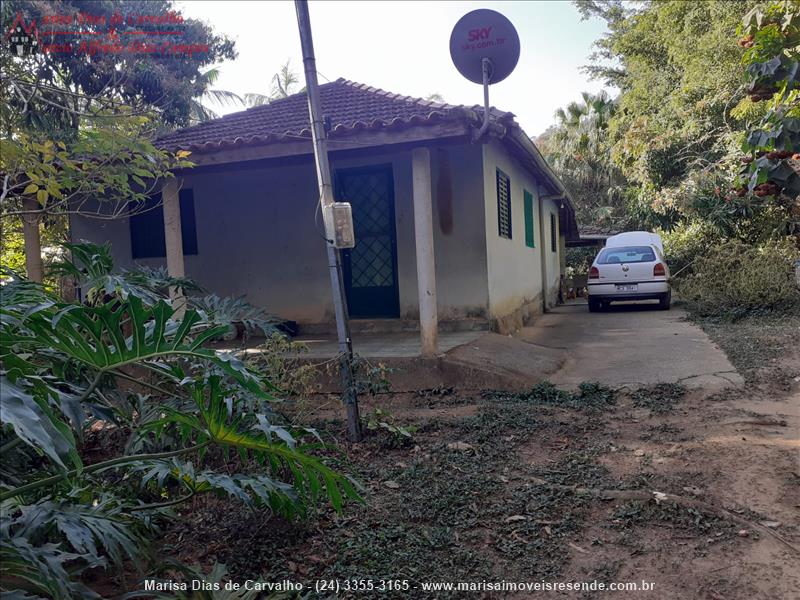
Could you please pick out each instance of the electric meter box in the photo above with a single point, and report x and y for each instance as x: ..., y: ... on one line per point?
x: 342, y: 220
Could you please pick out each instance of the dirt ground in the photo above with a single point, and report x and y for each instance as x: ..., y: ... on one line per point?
x: 485, y: 489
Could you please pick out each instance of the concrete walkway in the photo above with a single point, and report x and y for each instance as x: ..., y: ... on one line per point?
x: 631, y: 344
x: 402, y: 344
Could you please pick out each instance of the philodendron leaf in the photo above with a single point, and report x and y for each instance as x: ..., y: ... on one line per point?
x: 91, y: 530
x: 108, y: 337
x: 36, y: 424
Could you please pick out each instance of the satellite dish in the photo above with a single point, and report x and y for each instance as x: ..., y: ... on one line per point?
x: 484, y: 34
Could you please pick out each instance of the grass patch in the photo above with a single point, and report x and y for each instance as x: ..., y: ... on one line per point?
x: 580, y: 469
x: 399, y: 551
x: 660, y: 398
x: 636, y: 512
x: 756, y: 344
x: 590, y: 395
x: 663, y: 432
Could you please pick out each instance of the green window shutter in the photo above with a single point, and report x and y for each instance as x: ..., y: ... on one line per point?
x: 528, y: 205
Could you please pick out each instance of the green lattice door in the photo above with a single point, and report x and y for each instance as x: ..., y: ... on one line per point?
x: 370, y: 269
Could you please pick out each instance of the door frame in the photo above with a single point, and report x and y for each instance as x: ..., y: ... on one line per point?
x: 388, y: 169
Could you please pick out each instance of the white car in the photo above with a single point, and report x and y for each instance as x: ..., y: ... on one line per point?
x: 630, y: 267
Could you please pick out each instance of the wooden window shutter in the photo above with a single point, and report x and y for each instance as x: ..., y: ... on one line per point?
x: 503, y: 205
x: 530, y: 240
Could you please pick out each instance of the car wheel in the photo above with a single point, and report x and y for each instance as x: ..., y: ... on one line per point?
x: 594, y: 305
x: 665, y: 301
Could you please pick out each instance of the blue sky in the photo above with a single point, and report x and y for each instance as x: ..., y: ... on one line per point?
x: 403, y: 47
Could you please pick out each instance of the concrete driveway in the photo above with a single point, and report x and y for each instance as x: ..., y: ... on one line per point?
x: 631, y: 344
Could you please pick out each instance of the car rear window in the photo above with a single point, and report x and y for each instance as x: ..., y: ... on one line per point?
x: 626, y: 254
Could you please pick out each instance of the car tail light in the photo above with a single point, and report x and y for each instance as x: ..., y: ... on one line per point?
x: 594, y: 273
x: 659, y: 270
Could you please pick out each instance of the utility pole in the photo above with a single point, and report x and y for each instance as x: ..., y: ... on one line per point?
x: 319, y: 137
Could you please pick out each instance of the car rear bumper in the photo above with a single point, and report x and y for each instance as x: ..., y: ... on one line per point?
x: 646, y: 290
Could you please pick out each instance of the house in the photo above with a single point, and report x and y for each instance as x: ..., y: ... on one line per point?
x: 249, y: 220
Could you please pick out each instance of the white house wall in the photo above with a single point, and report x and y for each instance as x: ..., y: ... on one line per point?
x: 551, y: 207
x: 256, y: 236
x: 514, y: 269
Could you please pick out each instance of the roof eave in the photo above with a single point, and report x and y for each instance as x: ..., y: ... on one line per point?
x: 558, y: 191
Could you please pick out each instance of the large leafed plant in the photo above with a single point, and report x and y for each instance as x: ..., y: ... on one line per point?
x: 127, y: 362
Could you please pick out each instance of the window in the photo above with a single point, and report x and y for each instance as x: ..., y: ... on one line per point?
x: 527, y: 199
x: 503, y: 205
x: 553, y: 233
x: 626, y: 254
x: 147, y: 227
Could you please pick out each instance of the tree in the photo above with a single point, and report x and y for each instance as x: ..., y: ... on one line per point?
x: 284, y: 84
x: 771, y: 37
x: 199, y: 111
x: 53, y: 87
x: 679, y: 76
x: 578, y: 149
x: 77, y: 123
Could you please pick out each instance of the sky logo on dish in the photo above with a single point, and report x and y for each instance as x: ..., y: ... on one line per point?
x: 479, y: 34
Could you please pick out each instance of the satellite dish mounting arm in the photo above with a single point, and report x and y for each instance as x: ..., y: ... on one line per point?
x: 484, y: 47
x: 486, y: 68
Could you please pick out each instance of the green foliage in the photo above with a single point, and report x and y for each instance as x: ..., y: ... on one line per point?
x: 579, y: 260
x: 685, y: 243
x: 114, y: 161
x: 281, y: 360
x: 691, y: 101
x: 68, y: 82
x: 680, y: 74
x: 772, y: 39
x: 733, y: 279
x: 238, y: 311
x: 578, y: 149
x: 590, y: 395
x: 65, y: 366
x: 77, y: 129
x: 382, y: 419
x: 92, y: 267
x: 369, y: 378
x: 682, y: 114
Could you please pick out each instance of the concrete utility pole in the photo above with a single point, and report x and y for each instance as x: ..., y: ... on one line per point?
x: 320, y: 139
x: 33, y: 242
x: 173, y: 240
x: 423, y: 236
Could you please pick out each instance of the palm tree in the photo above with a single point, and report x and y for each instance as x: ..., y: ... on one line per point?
x: 579, y: 151
x: 284, y: 84
x: 199, y: 111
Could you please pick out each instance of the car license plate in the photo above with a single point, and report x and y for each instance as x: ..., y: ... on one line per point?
x: 627, y: 288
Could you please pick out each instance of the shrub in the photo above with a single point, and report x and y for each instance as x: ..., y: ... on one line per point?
x: 685, y: 243
x: 579, y: 260
x: 65, y: 372
x: 734, y: 279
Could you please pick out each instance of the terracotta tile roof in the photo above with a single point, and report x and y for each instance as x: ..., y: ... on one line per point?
x: 350, y: 106
x: 354, y: 107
